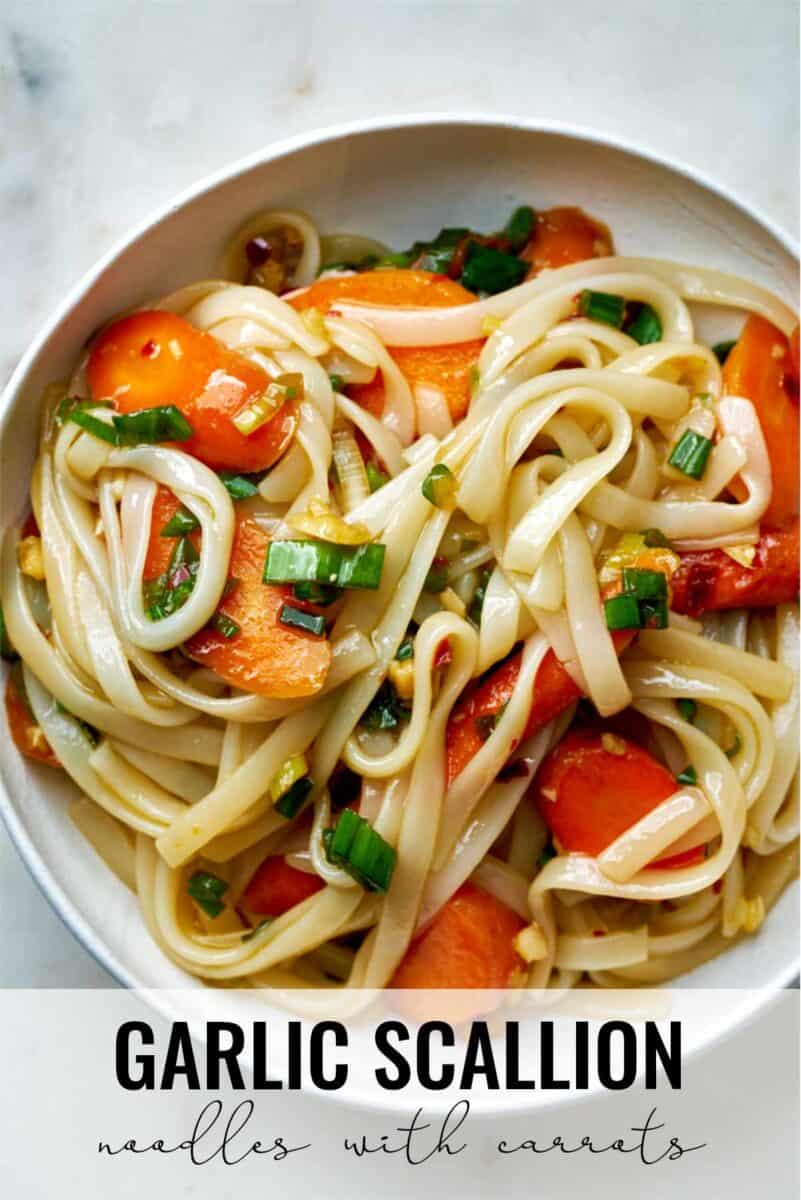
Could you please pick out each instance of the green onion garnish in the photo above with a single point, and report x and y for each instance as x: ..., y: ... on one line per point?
x: 239, y: 487
x: 385, y: 711
x: 690, y: 453
x: 356, y: 847
x: 477, y: 602
x: 687, y: 708
x: 688, y: 776
x: 439, y: 486
x: 337, y: 383
x: 168, y: 592
x: 316, y: 593
x: 645, y: 585
x: 97, y: 428
x: 602, y: 306
x: 298, y: 618
x: 646, y: 326
x: 654, y: 613
x: 735, y: 747
x: 183, y: 522
x: 293, y: 800
x: 323, y: 562
x: 7, y: 651
x: 375, y: 476
x: 622, y: 612
x: 164, y: 423
x: 207, y: 891
x: 223, y: 624
x: 520, y: 227
x: 405, y: 650
x: 655, y: 537
x: 490, y: 271
x: 722, y: 351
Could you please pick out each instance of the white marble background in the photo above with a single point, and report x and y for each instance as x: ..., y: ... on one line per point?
x: 108, y: 108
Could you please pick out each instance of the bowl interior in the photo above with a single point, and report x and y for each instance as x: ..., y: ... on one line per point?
x: 396, y: 184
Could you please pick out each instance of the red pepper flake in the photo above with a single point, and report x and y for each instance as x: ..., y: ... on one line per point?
x: 150, y: 349
x: 717, y: 886
x: 599, y: 933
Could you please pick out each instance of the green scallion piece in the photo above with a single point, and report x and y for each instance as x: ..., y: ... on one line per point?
x: 298, y: 618
x: 735, y: 747
x: 654, y: 538
x: 292, y: 801
x: 490, y: 271
x: 602, y: 306
x: 385, y: 711
x: 688, y: 708
x: 690, y: 453
x: 654, y: 613
x: 622, y: 612
x: 520, y: 227
x: 645, y: 585
x: 546, y: 854
x: 688, y: 776
x: 183, y: 522
x: 476, y: 606
x: 375, y: 476
x: 207, y: 891
x: 356, y: 847
x: 337, y: 383
x: 439, y: 486
x: 7, y: 651
x: 323, y: 562
x: 223, y: 624
x: 646, y: 326
x: 316, y: 593
x: 722, y: 351
x: 239, y: 487
x: 164, y: 423
x: 437, y: 578
x: 405, y: 650
x: 97, y: 428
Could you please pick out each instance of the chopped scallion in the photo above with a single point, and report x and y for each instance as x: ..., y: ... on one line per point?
x: 316, y: 593
x: 207, y: 891
x: 223, y: 624
x: 437, y: 578
x: 183, y: 522
x: 164, y: 423
x: 688, y: 776
x: 323, y: 562
x: 722, y: 351
x: 7, y: 651
x: 735, y: 747
x: 298, y: 618
x: 645, y: 585
x: 490, y: 271
x: 439, y: 486
x: 646, y: 326
x: 602, y: 306
x: 375, y: 476
x: 690, y: 453
x: 240, y: 487
x: 337, y: 383
x: 405, y: 650
x: 520, y: 227
x: 97, y: 428
x: 688, y: 708
x: 622, y: 612
x: 356, y: 847
x: 655, y: 537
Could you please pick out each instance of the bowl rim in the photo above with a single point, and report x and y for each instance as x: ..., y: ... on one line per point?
x: 53, y: 892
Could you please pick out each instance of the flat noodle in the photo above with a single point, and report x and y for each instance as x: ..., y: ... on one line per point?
x: 563, y: 449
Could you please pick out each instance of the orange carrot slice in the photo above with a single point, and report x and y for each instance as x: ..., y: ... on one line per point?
x: 554, y: 691
x: 26, y: 735
x: 265, y: 657
x: 470, y: 945
x: 157, y: 358
x: 276, y: 887
x: 447, y: 368
x: 710, y: 581
x: 762, y: 368
x: 589, y: 795
x: 565, y: 235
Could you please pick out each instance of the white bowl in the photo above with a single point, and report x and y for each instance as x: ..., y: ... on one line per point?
x: 395, y: 180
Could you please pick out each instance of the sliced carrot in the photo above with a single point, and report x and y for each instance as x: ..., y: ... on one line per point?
x: 554, y: 691
x: 444, y: 367
x: 468, y: 945
x: 565, y: 235
x: 26, y: 735
x: 157, y: 358
x: 276, y: 887
x: 265, y: 657
x: 589, y: 795
x: 762, y: 368
x: 709, y: 580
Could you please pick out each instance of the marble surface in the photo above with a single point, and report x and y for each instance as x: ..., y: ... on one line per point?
x: 107, y: 109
